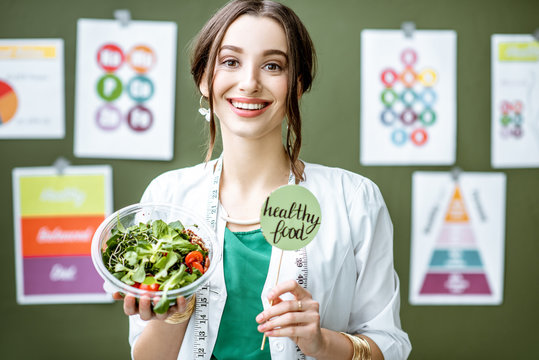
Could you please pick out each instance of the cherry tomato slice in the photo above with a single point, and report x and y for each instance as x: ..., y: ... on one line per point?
x: 193, y: 256
x: 152, y: 287
x: 198, y: 266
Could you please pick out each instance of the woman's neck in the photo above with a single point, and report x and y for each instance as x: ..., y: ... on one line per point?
x: 252, y: 164
x: 251, y: 171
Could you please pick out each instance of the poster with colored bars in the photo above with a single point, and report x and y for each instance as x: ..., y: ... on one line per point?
x: 32, y: 89
x: 458, y: 238
x: 55, y: 218
x: 515, y: 101
x: 408, y: 97
x: 125, y: 86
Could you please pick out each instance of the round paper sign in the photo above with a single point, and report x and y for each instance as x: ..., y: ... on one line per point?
x: 290, y: 217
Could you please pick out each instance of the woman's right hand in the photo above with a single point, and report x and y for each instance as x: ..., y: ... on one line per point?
x: 144, y: 306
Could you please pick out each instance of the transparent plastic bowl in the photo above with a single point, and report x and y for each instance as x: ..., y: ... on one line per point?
x: 137, y: 213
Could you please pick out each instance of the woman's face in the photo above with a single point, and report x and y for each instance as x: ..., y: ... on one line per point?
x: 251, y: 78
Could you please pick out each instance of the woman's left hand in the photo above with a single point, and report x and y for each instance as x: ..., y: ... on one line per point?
x: 297, y: 319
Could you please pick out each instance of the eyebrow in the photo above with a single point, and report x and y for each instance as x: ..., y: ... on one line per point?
x: 265, y: 53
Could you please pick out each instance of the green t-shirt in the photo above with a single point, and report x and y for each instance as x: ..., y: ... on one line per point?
x: 246, y: 261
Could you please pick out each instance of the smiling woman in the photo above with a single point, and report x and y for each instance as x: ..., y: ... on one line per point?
x: 338, y: 298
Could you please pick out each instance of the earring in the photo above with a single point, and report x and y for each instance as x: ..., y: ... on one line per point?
x: 203, y: 111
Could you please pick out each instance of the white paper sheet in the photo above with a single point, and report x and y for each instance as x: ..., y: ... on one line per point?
x: 125, y: 89
x: 458, y: 237
x: 32, y: 89
x: 515, y: 101
x: 408, y: 97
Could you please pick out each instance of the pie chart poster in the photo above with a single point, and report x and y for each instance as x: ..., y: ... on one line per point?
x: 32, y: 89
x: 408, y: 97
x: 458, y: 238
x: 124, y: 92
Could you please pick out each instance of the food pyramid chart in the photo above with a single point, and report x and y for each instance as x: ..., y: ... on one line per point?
x: 455, y: 267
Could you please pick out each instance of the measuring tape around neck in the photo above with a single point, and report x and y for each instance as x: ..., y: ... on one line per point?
x: 200, y: 345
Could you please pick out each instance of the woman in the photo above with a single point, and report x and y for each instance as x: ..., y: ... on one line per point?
x: 252, y: 63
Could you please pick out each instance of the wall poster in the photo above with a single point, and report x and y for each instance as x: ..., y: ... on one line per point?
x: 408, y: 97
x: 458, y: 237
x: 515, y: 101
x: 124, y: 101
x: 55, y: 218
x: 32, y: 89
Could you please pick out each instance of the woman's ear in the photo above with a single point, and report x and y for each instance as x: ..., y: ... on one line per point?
x: 203, y: 86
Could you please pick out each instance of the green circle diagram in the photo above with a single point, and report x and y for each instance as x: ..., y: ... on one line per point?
x: 290, y: 217
x: 109, y: 87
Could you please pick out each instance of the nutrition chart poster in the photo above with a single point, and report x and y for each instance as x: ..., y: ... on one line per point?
x: 55, y: 217
x: 515, y: 101
x: 125, y: 85
x: 458, y: 237
x: 408, y: 97
x: 32, y: 89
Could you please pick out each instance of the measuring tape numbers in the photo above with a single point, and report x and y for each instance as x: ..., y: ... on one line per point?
x: 201, y: 322
x: 301, y: 278
x: 202, y: 310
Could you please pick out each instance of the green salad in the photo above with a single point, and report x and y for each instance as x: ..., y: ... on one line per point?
x: 156, y: 256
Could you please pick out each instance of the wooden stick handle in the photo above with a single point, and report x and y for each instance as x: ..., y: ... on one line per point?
x: 271, y: 302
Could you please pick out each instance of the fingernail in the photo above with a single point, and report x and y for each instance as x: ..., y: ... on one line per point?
x: 259, y: 318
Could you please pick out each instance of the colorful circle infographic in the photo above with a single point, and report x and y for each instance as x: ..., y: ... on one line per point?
x: 408, y: 96
x: 511, y: 119
x: 140, y: 59
x: 8, y: 102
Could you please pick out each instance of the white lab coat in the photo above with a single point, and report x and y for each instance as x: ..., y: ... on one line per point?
x: 350, y: 261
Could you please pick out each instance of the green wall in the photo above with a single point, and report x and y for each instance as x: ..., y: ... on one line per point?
x: 331, y: 137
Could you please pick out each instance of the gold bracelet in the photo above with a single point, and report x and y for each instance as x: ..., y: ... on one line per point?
x: 362, y: 349
x: 178, y: 318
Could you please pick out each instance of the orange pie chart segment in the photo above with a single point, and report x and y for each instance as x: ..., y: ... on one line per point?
x: 8, y: 102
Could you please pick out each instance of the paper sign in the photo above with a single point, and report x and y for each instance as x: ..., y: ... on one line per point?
x: 408, y: 97
x: 290, y: 217
x: 515, y: 101
x: 56, y: 216
x: 124, y: 103
x: 32, y: 88
x: 457, y: 239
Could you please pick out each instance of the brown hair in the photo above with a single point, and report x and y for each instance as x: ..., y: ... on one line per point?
x: 301, y: 60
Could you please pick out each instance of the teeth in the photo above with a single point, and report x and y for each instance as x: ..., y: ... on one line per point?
x: 247, y: 106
